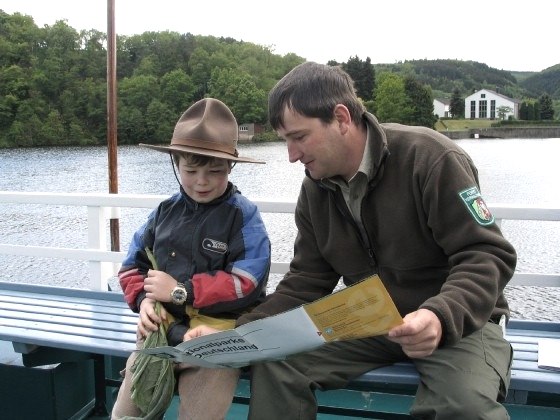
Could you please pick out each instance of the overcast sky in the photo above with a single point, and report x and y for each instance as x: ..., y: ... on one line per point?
x: 514, y: 35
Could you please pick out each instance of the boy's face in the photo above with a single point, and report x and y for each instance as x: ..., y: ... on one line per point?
x: 204, y: 183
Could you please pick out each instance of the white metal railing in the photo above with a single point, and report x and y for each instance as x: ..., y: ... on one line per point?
x: 104, y: 263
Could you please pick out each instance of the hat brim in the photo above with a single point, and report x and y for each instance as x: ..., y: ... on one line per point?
x: 201, y: 152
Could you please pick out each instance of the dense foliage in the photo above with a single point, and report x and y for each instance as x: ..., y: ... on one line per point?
x: 363, y: 74
x: 457, y: 104
x: 53, y: 86
x: 547, y: 81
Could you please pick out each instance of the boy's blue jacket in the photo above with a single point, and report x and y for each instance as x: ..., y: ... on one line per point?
x: 219, y: 250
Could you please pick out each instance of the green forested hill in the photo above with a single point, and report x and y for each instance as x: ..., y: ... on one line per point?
x: 53, y: 86
x: 547, y: 80
x: 468, y: 76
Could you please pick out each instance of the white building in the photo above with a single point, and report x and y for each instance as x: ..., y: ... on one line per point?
x: 441, y: 107
x: 485, y: 104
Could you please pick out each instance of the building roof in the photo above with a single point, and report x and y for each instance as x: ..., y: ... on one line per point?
x: 517, y: 101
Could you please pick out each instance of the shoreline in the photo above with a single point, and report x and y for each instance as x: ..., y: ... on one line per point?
x: 504, y: 133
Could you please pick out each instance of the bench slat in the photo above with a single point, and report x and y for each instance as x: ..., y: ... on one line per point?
x: 61, y: 291
x: 527, y: 347
x: 55, y: 302
x: 115, y: 332
x: 525, y: 376
x: 526, y: 336
x: 79, y: 343
x: 529, y: 356
x: 114, y: 324
x: 102, y: 299
x: 23, y: 310
x: 537, y: 381
x: 529, y: 325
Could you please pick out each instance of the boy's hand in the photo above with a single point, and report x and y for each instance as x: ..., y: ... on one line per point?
x: 419, y: 335
x: 158, y: 285
x: 149, y: 320
x: 199, y: 332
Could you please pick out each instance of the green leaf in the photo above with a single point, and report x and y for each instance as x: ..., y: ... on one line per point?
x: 153, y: 379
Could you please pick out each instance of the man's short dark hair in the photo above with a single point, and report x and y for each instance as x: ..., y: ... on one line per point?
x: 313, y: 90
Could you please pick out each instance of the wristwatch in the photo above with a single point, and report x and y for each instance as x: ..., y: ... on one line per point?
x: 179, y: 294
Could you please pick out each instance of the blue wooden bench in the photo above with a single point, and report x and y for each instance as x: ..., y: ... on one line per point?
x: 55, y: 325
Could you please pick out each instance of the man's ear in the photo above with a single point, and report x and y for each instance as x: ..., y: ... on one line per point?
x: 342, y: 116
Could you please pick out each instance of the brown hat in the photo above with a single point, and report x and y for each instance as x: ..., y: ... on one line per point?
x: 207, y: 128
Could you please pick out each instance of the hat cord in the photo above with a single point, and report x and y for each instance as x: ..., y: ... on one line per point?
x: 174, y: 171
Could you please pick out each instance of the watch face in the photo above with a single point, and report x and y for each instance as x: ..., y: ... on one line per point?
x: 179, y: 295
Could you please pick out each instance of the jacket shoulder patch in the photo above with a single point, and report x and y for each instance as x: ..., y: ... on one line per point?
x: 477, y: 207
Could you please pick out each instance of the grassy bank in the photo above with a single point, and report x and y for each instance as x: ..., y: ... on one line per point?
x: 461, y: 125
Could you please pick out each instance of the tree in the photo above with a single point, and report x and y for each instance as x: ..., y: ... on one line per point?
x: 391, y: 102
x: 139, y: 91
x: 523, y: 111
x: 130, y: 127
x: 546, y: 107
x: 239, y: 92
x: 421, y: 103
x: 177, y: 90
x: 26, y: 129
x: 14, y: 87
x: 200, y: 70
x: 159, y: 122
x: 363, y: 74
x: 92, y: 58
x: 457, y: 104
x: 503, y: 111
x: 531, y: 111
x: 58, y: 62
x: 53, y: 130
x: 19, y: 37
x: 537, y: 112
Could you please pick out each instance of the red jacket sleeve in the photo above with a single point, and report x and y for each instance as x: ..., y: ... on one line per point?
x: 132, y: 284
x: 210, y: 289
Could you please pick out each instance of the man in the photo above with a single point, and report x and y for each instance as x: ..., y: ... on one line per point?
x: 402, y: 202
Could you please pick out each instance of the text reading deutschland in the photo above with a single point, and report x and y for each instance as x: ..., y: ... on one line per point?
x: 225, y: 346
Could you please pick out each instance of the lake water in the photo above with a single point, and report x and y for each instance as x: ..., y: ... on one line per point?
x: 514, y: 171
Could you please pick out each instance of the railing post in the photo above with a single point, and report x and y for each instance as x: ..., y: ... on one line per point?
x: 99, y: 272
x: 113, y: 213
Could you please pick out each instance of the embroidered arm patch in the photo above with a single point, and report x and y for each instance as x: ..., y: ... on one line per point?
x: 477, y: 207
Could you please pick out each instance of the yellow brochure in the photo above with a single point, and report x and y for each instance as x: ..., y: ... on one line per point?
x: 364, y: 309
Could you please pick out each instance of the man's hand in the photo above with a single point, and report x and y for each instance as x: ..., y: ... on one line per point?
x: 199, y: 332
x: 419, y: 335
x: 158, y: 285
x: 149, y: 321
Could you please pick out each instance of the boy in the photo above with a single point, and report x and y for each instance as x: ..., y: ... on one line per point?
x: 212, y: 253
